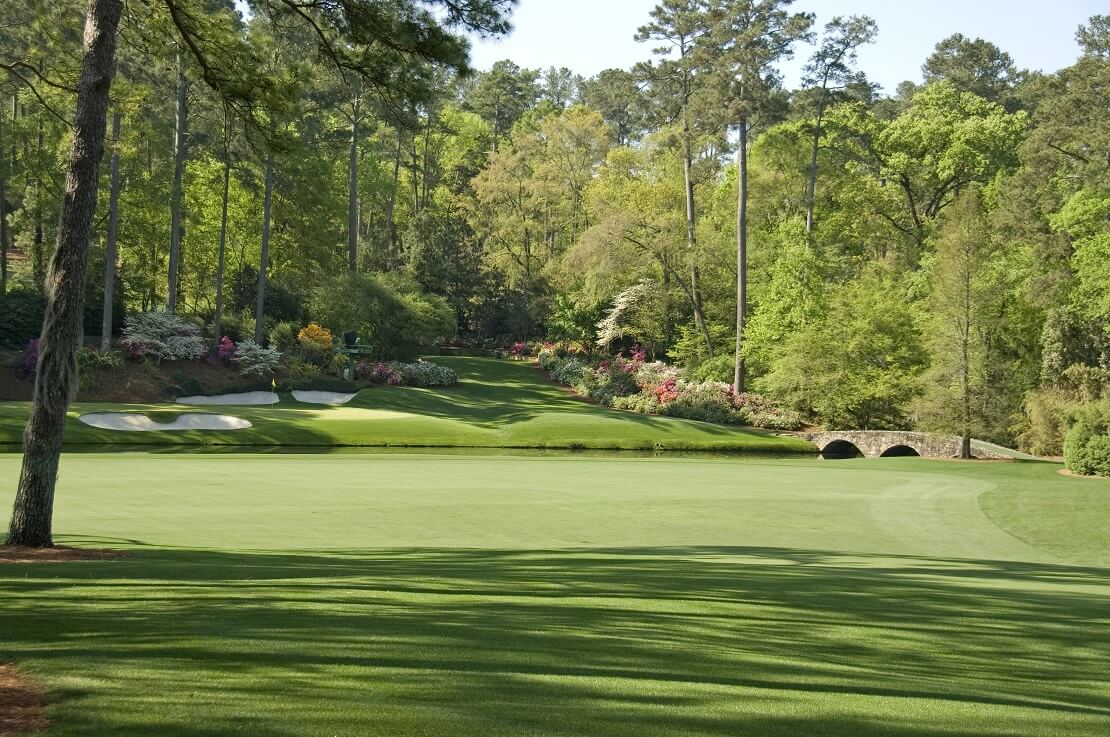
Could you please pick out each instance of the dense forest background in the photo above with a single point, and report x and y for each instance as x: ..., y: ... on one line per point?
x: 900, y: 254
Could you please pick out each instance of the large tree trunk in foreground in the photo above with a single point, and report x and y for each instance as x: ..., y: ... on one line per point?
x: 741, y: 255
x: 181, y: 122
x: 56, y: 377
x: 110, y: 250
x: 264, y: 258
x: 3, y: 214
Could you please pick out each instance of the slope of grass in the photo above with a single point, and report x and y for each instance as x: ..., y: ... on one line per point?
x: 496, y: 404
x: 364, y: 595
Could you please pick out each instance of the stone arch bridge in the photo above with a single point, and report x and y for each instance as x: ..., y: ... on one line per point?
x: 884, y: 443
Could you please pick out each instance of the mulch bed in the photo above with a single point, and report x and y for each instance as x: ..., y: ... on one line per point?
x: 22, y: 704
x: 56, y: 554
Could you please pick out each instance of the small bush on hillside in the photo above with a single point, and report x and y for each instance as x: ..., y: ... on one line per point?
x: 28, y: 360
x: 423, y: 373
x: 91, y: 359
x: 162, y: 336
x: 226, y: 349
x: 283, y: 336
x: 1087, y: 447
x: 313, y: 337
x: 707, y: 401
x: 254, y: 360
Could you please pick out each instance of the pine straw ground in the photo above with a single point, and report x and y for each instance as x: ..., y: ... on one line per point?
x: 57, y: 554
x: 22, y: 704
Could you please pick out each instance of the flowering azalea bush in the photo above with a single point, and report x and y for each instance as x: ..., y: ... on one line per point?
x: 314, y: 337
x: 162, y: 336
x: 256, y: 360
x: 656, y: 388
x: 226, y: 348
x: 420, y: 373
x: 28, y: 361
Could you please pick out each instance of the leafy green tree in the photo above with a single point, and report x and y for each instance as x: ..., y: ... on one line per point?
x: 677, y: 26
x: 829, y: 71
x: 964, y: 321
x: 747, y: 38
x: 859, y: 364
x: 501, y: 96
x: 975, y: 66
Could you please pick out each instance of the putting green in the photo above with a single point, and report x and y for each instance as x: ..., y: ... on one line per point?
x: 497, y: 404
x: 429, y: 595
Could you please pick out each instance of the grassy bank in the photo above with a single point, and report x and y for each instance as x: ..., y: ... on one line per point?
x: 496, y: 404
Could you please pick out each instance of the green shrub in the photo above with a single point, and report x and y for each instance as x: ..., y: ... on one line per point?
x: 254, y: 360
x: 644, y: 404
x: 391, y: 315
x: 1087, y: 446
x: 283, y: 336
x: 719, y: 368
x: 706, y: 401
x: 424, y: 373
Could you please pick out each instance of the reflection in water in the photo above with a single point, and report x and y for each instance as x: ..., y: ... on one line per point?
x: 406, y: 450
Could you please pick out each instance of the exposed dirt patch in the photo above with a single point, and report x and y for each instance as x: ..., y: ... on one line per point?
x: 1068, y: 472
x: 56, y: 554
x: 22, y: 704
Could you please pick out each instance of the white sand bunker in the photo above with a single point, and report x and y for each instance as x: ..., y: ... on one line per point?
x: 142, y: 423
x: 242, y: 398
x: 314, y: 397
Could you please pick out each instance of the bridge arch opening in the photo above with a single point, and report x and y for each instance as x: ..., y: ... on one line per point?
x: 899, y: 451
x: 839, y: 449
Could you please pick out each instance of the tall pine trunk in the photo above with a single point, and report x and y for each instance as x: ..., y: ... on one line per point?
x: 3, y: 212
x: 56, y: 374
x: 391, y: 205
x: 110, y: 249
x: 264, y: 258
x: 221, y: 250
x: 352, y: 192
x: 181, y: 122
x: 741, y: 254
x: 691, y: 237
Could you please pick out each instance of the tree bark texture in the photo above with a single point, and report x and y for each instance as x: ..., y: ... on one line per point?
x: 741, y: 254
x: 56, y: 375
x: 264, y: 258
x: 180, y: 131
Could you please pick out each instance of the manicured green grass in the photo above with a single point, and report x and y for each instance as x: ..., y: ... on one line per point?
x: 497, y: 404
x: 366, y: 595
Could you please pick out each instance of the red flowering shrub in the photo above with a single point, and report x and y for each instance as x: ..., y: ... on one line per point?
x: 226, y: 348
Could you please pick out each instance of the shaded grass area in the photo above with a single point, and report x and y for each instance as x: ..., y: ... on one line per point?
x: 496, y: 404
x: 346, y: 595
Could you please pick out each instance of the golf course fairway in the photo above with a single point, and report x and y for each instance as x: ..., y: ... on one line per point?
x: 365, y: 595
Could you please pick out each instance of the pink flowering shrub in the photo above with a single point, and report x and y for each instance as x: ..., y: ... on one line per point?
x: 633, y: 384
x: 28, y: 360
x: 226, y: 348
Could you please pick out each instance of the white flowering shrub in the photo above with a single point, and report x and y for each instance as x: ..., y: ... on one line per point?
x: 162, y: 336
x: 255, y: 360
x: 423, y: 373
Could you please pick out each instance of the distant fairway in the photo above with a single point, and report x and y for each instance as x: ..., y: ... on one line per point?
x: 367, y: 595
x: 497, y: 404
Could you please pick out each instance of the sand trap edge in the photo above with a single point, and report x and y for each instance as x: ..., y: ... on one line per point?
x: 321, y: 397
x: 242, y: 398
x: 133, y: 422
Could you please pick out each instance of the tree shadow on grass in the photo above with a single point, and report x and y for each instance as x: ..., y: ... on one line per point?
x: 627, y: 641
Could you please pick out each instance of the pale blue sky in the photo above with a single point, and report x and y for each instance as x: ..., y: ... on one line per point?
x: 590, y: 35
